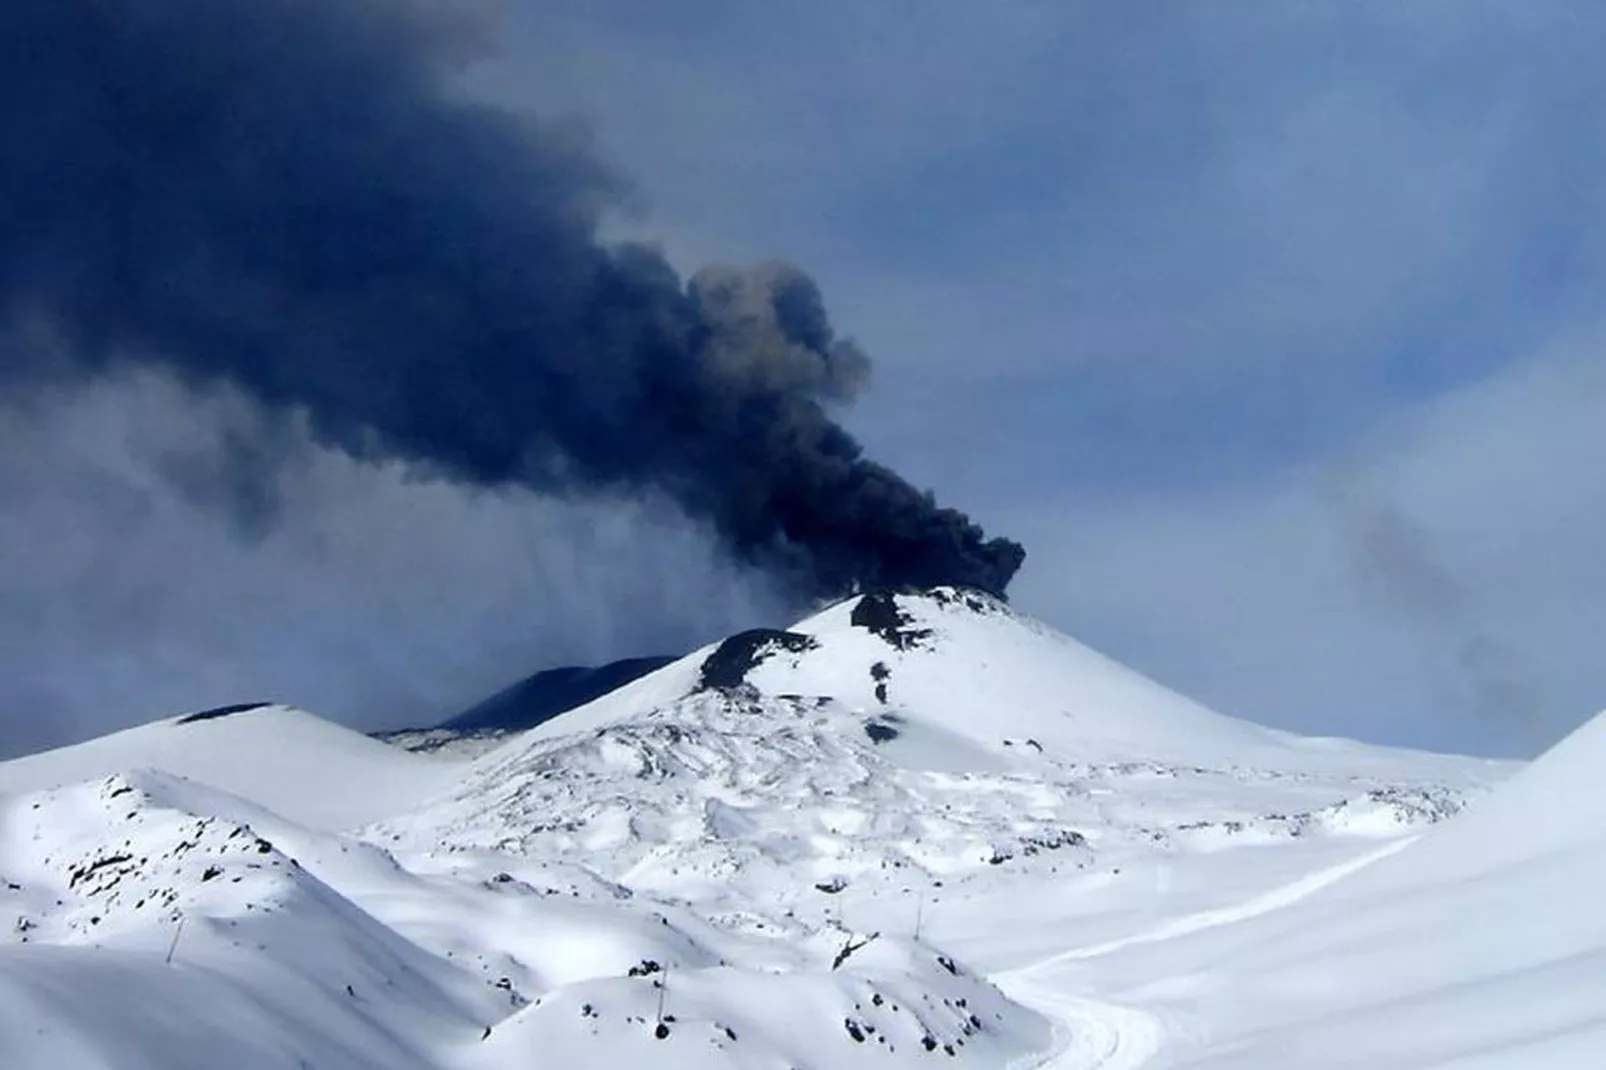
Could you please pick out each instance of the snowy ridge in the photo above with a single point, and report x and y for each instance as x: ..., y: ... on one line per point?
x: 267, y: 753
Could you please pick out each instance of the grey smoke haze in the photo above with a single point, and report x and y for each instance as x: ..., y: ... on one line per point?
x: 372, y: 597
x: 293, y: 198
x: 1398, y: 565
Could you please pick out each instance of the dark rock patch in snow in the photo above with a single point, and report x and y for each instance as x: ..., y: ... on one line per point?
x: 222, y: 711
x: 727, y: 667
x: 968, y: 598
x: 880, y: 674
x: 879, y: 612
x: 881, y: 730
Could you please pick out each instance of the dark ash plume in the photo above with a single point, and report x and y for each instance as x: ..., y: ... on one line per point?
x: 290, y: 196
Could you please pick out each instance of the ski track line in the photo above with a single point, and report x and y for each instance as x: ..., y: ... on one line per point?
x: 1091, y: 1034
x: 1088, y: 1033
x: 1264, y: 903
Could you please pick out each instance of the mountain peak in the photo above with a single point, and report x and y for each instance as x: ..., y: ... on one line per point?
x: 967, y: 663
x: 899, y: 618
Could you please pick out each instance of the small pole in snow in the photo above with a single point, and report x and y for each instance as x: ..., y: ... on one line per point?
x: 177, y: 932
x: 920, y: 909
x: 661, y: 1031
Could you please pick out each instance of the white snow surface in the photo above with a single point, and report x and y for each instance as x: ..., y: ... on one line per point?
x: 289, y: 761
x: 912, y: 831
x: 1481, y: 944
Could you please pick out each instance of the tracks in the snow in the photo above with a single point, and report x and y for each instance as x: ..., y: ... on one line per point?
x: 1091, y: 1034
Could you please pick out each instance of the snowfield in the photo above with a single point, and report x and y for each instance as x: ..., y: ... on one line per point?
x: 912, y: 830
x: 297, y: 765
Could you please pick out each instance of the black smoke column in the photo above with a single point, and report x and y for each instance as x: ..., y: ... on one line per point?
x: 291, y: 196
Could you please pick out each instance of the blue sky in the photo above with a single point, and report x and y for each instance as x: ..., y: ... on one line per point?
x: 1197, y: 299
x: 1270, y: 329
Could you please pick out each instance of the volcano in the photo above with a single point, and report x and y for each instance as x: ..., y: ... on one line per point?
x: 915, y: 828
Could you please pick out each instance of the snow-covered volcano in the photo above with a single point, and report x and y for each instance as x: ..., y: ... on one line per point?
x: 910, y: 830
x: 898, y: 738
x: 953, y: 661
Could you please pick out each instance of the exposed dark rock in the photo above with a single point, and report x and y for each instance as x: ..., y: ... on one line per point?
x: 88, y: 870
x: 849, y: 947
x: 1053, y: 842
x: 727, y: 667
x: 880, y: 731
x: 222, y: 711
x: 879, y: 612
x: 969, y: 598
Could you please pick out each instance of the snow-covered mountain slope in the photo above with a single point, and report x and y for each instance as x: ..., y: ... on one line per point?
x: 909, y: 831
x: 965, y: 664
x: 273, y: 962
x: 1481, y: 945
x: 941, y: 736
x: 270, y: 964
x: 298, y: 765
